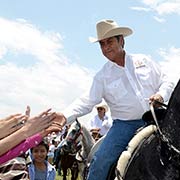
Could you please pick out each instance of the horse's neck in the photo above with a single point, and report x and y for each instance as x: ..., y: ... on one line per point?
x: 171, y: 121
x: 87, y: 142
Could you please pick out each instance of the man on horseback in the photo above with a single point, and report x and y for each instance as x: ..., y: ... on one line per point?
x: 101, y: 123
x: 127, y: 83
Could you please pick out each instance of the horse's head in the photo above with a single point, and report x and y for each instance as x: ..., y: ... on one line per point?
x: 72, y: 142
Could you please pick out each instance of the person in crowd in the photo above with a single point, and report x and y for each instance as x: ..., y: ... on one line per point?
x: 57, y: 153
x: 40, y: 168
x: 101, y: 123
x: 19, y: 134
x: 127, y: 83
x: 52, y: 148
x: 17, y: 128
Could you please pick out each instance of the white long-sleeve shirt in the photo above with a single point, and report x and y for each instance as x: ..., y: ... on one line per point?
x: 125, y: 89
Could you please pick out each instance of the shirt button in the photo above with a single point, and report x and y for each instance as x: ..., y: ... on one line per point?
x: 36, y: 142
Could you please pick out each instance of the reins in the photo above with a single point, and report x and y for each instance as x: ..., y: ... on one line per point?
x: 73, y: 140
x: 163, y: 137
x: 155, y: 119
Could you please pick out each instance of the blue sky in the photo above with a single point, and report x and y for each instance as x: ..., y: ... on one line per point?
x: 46, y: 59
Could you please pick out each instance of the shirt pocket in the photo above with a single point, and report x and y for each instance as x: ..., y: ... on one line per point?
x: 116, y: 90
x: 144, y: 76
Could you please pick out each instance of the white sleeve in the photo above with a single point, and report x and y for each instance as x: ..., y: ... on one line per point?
x: 85, y: 104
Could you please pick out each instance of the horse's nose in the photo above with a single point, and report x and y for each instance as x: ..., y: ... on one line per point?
x: 66, y: 146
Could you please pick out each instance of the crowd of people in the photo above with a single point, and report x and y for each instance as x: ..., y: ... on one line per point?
x: 127, y: 83
x: 18, y: 134
x: 31, y: 144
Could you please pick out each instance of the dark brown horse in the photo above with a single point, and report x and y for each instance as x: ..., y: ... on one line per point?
x: 66, y: 160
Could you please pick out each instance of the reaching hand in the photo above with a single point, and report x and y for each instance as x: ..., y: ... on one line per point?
x: 60, y: 120
x: 38, y: 123
x: 52, y: 128
x: 11, y: 124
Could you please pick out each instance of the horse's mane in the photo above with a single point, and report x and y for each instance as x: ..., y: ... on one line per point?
x: 95, y: 148
x: 87, y: 141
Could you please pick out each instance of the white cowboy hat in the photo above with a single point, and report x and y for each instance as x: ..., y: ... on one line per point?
x: 109, y: 28
x: 102, y: 106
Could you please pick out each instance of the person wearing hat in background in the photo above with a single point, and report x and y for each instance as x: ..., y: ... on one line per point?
x: 101, y: 123
x: 128, y: 83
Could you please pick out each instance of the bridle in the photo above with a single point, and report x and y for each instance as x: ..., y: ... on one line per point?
x: 72, y: 140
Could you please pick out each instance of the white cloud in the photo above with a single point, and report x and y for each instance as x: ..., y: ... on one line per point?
x: 158, y: 19
x: 51, y: 81
x: 2, y: 51
x: 171, y: 62
x: 162, y: 7
x: 21, y: 36
x: 168, y: 8
x: 151, y: 2
x: 41, y: 86
x: 140, y: 8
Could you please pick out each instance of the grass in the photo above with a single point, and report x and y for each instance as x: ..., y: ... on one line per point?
x: 61, y: 177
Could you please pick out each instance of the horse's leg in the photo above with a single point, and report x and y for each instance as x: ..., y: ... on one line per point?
x: 74, y: 170
x: 72, y: 174
x: 59, y: 168
x: 82, y: 171
x: 64, y: 173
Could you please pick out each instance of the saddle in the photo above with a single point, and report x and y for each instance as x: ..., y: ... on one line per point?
x: 159, y: 112
x: 135, y: 142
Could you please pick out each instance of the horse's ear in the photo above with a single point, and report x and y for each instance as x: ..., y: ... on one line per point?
x: 78, y: 122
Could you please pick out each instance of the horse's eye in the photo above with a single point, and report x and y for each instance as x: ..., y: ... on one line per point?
x: 73, y: 131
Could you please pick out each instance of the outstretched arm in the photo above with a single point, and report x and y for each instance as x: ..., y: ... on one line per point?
x: 11, y: 124
x: 32, y: 126
x: 29, y: 143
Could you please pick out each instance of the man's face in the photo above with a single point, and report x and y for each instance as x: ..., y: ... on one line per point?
x: 101, y: 111
x: 111, y: 48
x: 39, y: 153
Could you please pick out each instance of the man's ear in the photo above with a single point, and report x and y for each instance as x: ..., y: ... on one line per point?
x: 122, y: 42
